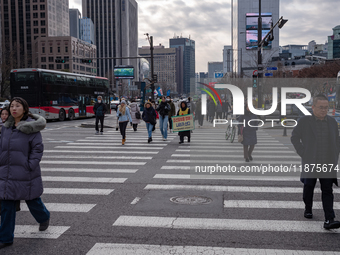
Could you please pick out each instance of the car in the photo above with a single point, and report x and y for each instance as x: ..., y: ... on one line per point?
x: 114, y: 104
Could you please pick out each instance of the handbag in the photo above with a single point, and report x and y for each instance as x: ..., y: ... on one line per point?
x: 240, y: 136
x: 137, y: 114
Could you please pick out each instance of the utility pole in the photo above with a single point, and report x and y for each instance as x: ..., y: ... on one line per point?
x: 259, y: 58
x: 150, y: 39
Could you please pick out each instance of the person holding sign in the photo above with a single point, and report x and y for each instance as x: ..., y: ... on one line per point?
x: 183, y: 110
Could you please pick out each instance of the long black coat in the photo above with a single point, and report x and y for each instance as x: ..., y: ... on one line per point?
x: 249, y: 133
x: 304, y: 141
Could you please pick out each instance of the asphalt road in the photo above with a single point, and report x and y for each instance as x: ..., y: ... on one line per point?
x: 106, y: 198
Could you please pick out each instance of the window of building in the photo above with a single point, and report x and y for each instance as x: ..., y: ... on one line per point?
x: 66, y: 49
x: 43, y: 49
x: 28, y: 31
x: 50, y: 59
x: 43, y: 30
x: 58, y: 49
x: 43, y: 66
x: 42, y: 1
x: 58, y: 66
x: 35, y: 23
x: 35, y: 7
x: 66, y: 66
x: 42, y: 15
x: 35, y: 15
x: 36, y: 30
x: 51, y: 49
x: 43, y: 59
x: 34, y: 1
x: 51, y: 66
x: 42, y: 22
x: 42, y: 7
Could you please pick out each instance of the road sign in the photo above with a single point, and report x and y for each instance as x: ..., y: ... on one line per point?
x: 271, y: 68
x: 268, y: 74
x: 218, y: 75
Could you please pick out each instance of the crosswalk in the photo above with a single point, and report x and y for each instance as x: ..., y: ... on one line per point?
x: 86, y: 159
x: 239, y: 193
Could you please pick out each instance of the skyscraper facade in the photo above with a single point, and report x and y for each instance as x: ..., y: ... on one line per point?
x: 245, y: 15
x: 24, y: 21
x: 86, y: 30
x: 188, y: 48
x: 75, y: 23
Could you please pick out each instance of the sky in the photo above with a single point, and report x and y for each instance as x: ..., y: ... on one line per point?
x: 208, y: 22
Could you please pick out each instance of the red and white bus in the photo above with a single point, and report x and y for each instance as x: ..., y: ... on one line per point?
x: 59, y: 95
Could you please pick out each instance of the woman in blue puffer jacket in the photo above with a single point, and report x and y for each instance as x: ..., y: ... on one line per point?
x: 21, y: 150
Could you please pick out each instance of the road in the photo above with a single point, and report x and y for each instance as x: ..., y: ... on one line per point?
x: 106, y: 198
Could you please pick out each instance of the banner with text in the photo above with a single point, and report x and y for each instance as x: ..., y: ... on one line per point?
x: 183, y: 123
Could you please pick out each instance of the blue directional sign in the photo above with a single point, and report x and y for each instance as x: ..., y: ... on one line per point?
x: 271, y: 68
x: 268, y: 74
x: 218, y: 75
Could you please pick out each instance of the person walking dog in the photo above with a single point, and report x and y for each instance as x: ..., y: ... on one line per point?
x: 124, y: 117
x: 20, y: 175
x: 316, y: 140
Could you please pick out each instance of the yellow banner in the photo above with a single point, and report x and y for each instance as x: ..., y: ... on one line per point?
x: 183, y: 123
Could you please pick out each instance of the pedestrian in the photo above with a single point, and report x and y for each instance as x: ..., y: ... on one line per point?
x: 316, y: 140
x: 149, y: 116
x: 184, y: 110
x: 124, y: 117
x: 198, y: 114
x: 20, y: 175
x: 157, y: 115
x: 219, y: 110
x: 4, y: 114
x: 172, y: 111
x: 99, y: 110
x: 211, y: 110
x: 225, y: 108
x: 163, y: 110
x: 135, y: 114
x: 248, y: 132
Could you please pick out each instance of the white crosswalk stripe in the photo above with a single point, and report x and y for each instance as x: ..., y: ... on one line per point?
x: 28, y: 231
x: 138, y: 249
x: 63, y: 207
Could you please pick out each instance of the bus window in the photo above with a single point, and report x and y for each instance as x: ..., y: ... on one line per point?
x: 70, y: 80
x: 81, y: 81
x: 59, y: 79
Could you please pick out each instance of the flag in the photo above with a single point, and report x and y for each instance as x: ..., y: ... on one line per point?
x: 155, y: 93
x: 168, y: 93
x: 160, y: 92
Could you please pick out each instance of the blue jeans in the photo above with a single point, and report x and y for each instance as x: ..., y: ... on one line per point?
x: 149, y: 128
x: 8, y: 213
x: 163, y: 125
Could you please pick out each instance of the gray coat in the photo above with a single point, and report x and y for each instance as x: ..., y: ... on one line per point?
x: 249, y: 133
x: 134, y: 108
x: 21, y: 149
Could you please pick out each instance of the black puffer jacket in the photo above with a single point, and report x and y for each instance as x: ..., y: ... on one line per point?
x: 163, y: 109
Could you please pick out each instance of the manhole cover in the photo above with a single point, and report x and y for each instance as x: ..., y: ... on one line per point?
x: 191, y: 200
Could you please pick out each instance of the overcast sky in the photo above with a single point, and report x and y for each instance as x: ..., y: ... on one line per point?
x: 208, y: 23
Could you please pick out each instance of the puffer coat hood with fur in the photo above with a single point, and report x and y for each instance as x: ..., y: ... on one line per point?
x: 21, y: 150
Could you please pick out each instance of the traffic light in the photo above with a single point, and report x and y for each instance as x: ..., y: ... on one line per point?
x: 255, y: 81
x: 86, y: 60
x: 59, y: 60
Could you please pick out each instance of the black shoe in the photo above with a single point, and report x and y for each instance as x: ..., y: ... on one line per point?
x: 331, y: 224
x: 308, y: 215
x: 149, y: 140
x: 250, y: 158
x: 181, y: 142
x: 247, y: 159
x: 4, y: 245
x: 188, y: 140
x: 43, y: 226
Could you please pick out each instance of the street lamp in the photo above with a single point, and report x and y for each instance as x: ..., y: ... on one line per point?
x: 264, y: 42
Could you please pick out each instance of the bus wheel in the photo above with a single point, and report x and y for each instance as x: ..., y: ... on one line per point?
x: 62, y: 115
x: 71, y: 114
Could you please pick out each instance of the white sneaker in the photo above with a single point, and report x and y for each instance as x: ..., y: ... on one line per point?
x: 164, y: 139
x: 97, y: 132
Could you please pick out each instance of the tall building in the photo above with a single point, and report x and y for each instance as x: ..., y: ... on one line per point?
x: 214, y: 67
x: 334, y: 44
x: 227, y: 59
x: 116, y: 32
x: 167, y: 66
x: 188, y: 47
x: 244, y: 33
x: 69, y: 48
x: 24, y: 21
x: 74, y: 22
x: 86, y: 30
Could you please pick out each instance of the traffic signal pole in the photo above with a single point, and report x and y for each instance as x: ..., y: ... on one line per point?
x: 152, y: 70
x: 259, y: 58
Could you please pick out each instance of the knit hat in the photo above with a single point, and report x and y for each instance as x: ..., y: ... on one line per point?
x: 123, y: 102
